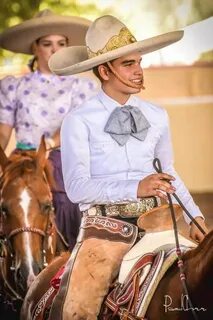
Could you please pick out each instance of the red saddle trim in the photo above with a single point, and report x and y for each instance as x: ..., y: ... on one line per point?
x: 120, y: 299
x: 56, y: 280
x: 43, y: 304
x: 46, y: 300
x: 128, y: 287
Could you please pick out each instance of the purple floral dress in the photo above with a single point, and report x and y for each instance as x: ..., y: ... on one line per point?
x: 36, y: 104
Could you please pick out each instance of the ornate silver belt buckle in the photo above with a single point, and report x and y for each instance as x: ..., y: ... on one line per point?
x: 130, y: 210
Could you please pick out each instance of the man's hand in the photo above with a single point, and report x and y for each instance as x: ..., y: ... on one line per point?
x: 154, y: 184
x: 195, y: 233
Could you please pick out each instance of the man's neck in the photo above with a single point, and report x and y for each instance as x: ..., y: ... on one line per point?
x: 121, y: 98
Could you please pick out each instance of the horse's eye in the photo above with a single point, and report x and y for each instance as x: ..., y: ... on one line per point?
x: 4, y: 210
x: 46, y: 207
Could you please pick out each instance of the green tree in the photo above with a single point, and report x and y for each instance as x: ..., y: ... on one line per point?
x: 12, y: 12
x: 15, y: 11
x: 174, y: 14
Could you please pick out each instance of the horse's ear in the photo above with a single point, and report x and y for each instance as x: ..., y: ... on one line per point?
x: 3, y: 158
x: 41, y: 153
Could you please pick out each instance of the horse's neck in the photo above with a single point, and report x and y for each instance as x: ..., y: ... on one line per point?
x: 200, y: 260
x: 199, y: 273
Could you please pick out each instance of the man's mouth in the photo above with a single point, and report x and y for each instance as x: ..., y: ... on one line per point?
x: 138, y: 82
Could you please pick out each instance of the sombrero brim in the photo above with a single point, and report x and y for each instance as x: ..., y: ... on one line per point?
x: 19, y: 38
x: 72, y: 60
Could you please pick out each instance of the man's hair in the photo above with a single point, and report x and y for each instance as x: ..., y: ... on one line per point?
x: 96, y: 72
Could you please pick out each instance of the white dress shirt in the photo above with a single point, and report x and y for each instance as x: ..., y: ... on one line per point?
x: 97, y: 169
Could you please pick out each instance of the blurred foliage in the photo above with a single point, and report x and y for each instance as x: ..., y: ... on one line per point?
x: 173, y: 13
x: 201, y: 10
x: 15, y: 11
x: 206, y: 57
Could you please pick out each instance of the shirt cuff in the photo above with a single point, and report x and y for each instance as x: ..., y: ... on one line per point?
x: 194, y: 211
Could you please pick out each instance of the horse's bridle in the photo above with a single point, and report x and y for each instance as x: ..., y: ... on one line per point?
x: 7, y: 248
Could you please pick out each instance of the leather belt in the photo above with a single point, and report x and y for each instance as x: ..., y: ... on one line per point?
x: 124, y: 210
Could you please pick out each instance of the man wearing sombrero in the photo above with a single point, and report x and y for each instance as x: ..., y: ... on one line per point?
x: 108, y: 149
x: 36, y: 103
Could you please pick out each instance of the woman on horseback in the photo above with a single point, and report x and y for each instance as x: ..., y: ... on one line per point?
x: 36, y: 103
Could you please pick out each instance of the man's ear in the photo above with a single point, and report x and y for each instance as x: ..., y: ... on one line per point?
x: 104, y: 72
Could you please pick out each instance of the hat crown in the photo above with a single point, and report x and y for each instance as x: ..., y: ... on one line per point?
x: 106, y: 34
x: 43, y: 13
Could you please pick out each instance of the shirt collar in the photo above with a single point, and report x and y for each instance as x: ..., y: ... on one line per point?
x: 110, y: 104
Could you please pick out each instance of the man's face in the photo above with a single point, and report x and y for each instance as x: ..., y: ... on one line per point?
x: 128, y: 68
x: 46, y: 46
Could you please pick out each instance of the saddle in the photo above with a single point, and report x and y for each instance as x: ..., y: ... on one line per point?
x: 138, y: 266
x: 145, y: 264
x: 141, y: 270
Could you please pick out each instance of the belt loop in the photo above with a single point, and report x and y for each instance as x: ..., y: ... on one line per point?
x: 103, y: 210
x: 158, y: 201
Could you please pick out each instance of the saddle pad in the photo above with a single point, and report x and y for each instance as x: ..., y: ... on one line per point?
x: 149, y: 286
x: 151, y: 242
x: 134, y: 300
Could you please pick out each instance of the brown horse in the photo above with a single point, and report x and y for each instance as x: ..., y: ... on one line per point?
x: 169, y: 302
x: 28, y: 235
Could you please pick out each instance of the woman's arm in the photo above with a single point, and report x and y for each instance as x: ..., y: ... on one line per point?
x: 5, y: 134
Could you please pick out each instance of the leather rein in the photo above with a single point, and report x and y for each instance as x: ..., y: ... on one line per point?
x: 157, y: 166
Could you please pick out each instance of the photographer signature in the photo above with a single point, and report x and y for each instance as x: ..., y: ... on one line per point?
x: 184, y: 305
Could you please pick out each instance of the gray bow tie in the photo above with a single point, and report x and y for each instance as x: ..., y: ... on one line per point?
x: 127, y: 121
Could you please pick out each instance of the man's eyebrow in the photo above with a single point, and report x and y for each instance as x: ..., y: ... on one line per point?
x: 130, y: 61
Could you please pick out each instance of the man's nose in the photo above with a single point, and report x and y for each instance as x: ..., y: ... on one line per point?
x: 139, y: 70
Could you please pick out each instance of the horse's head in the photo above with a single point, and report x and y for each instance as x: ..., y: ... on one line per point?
x: 26, y: 214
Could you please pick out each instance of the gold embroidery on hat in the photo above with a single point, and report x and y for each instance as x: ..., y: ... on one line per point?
x: 124, y: 38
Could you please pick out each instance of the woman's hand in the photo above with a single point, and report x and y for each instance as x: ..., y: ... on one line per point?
x: 156, y: 185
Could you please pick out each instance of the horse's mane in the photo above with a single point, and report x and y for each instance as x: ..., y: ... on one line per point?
x: 24, y: 164
x: 201, y: 257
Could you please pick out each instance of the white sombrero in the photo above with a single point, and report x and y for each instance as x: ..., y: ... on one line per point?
x: 106, y: 39
x: 19, y: 38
